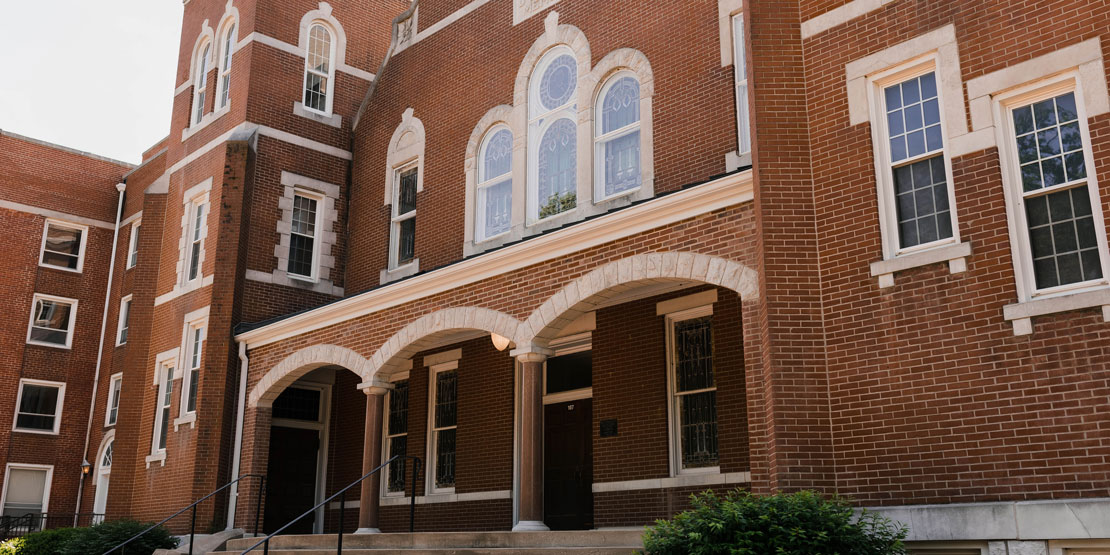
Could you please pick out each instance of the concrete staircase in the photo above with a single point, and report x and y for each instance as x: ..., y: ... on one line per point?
x: 609, y: 542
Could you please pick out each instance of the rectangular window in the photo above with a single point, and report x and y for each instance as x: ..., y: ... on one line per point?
x: 133, y: 246
x: 194, y: 361
x: 63, y: 246
x: 298, y: 403
x: 162, y: 408
x: 26, y: 489
x: 39, y: 406
x: 124, y: 320
x: 52, y: 320
x: 397, y: 435
x: 1063, y: 226
x: 404, y: 216
x: 694, y: 390
x: 302, y: 238
x: 196, y: 233
x: 740, y: 74
x: 444, y: 423
x: 115, y: 386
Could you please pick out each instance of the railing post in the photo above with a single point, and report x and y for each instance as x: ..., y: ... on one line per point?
x: 342, y: 506
x: 192, y: 529
x: 258, y: 506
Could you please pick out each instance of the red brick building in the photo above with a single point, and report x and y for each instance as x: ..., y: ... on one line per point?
x: 626, y: 251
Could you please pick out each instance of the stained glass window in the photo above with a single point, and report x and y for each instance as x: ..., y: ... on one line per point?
x: 553, y: 135
x: 618, y: 137
x: 495, y: 184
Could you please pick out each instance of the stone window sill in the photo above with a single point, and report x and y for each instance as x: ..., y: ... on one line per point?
x: 1022, y: 313
x: 956, y: 256
x: 204, y: 121
x: 334, y: 120
x: 394, y: 274
x: 190, y: 419
x: 157, y: 457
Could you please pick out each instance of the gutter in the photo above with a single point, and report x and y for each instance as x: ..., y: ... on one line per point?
x: 121, y: 187
x: 233, y: 499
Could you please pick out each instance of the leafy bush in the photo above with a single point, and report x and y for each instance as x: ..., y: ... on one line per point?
x: 803, y: 523
x: 106, y: 535
x: 12, y: 546
x: 46, y: 542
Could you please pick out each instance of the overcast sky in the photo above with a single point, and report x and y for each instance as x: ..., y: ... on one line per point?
x: 98, y: 77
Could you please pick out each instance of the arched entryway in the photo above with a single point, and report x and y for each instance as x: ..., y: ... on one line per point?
x: 103, y: 475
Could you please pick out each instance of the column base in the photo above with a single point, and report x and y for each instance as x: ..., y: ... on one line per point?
x: 530, y: 526
x: 368, y: 531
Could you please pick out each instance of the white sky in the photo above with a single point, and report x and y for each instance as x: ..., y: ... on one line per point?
x: 98, y: 77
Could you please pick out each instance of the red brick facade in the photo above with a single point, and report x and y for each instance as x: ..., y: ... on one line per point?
x: 933, y: 383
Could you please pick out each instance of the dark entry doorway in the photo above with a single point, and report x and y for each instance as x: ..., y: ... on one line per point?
x: 568, y: 465
x: 291, y: 478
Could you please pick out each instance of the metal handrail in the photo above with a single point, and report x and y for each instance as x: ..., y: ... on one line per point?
x: 342, y: 495
x: 193, y: 506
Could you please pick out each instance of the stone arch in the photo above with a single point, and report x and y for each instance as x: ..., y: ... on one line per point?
x: 585, y: 293
x: 323, y: 14
x: 406, y: 145
x: 498, y: 115
x: 302, y: 362
x: 415, y: 337
x: 207, y: 36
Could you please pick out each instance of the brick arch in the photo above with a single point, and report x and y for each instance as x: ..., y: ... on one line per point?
x: 416, y: 336
x: 302, y: 362
x: 586, y: 293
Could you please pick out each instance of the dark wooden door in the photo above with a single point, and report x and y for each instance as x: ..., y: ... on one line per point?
x: 568, y: 466
x: 291, y: 478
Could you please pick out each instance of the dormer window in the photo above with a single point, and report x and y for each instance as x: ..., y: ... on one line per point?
x: 319, y: 69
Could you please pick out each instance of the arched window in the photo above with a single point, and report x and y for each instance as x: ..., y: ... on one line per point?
x: 225, y: 66
x: 200, y: 84
x: 103, y: 477
x: 319, y: 69
x: 495, y: 183
x: 617, y: 137
x: 552, y: 135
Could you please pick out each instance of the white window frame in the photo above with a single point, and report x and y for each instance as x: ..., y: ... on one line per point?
x: 80, y: 252
x: 884, y: 167
x: 27, y: 466
x: 540, y: 119
x: 332, y: 43
x: 395, y: 219
x: 200, y: 84
x: 432, y: 436
x: 601, y: 139
x: 318, y: 231
x: 163, y: 403
x: 227, y: 51
x: 115, y: 393
x: 386, y: 437
x: 60, y: 386
x: 485, y: 182
x: 195, y: 233
x: 191, y: 362
x: 72, y: 320
x: 1020, y: 248
x: 123, y: 319
x: 133, y: 245
x: 740, y: 82
x: 673, y: 415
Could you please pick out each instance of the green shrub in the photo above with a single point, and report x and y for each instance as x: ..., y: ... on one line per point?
x: 12, y: 547
x: 106, y: 535
x: 46, y: 542
x: 803, y: 523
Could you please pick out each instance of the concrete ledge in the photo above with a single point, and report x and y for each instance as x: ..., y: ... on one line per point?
x: 955, y: 255
x: 686, y: 480
x: 1020, y: 520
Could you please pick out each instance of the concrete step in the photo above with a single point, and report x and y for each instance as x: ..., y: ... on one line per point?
x: 582, y: 542
x: 454, y: 551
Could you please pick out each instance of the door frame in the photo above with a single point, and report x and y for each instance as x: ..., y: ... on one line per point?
x: 321, y: 426
x: 100, y: 497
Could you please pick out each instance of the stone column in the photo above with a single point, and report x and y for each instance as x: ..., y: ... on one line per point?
x: 371, y: 458
x: 531, y: 443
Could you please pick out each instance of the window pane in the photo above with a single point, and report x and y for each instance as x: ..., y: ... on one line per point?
x: 51, y: 324
x: 298, y: 404
x: 124, y: 316
x: 1062, y: 237
x: 194, y: 261
x: 397, y: 447
x: 114, y: 403
x: 194, y: 381
x: 496, y: 204
x: 497, y: 157
x: 621, y: 106
x: 699, y: 429
x: 445, y: 458
x: 316, y: 92
x: 1049, y: 143
x: 319, y: 49
x: 302, y: 237
x: 26, y: 489
x: 407, y: 241
x: 558, y: 168
x: 134, y: 257
x: 37, y: 407
x: 693, y: 357
x: 917, y: 187
x: 399, y: 409
x: 304, y: 216
x: 558, y: 82
x: 446, y: 389
x: 63, y: 247
x: 913, y: 117
x: 300, y: 255
x: 569, y: 372
x: 406, y: 194
x: 622, y: 163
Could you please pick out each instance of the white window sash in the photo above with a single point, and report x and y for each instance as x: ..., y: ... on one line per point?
x: 196, y: 334
x: 318, y: 218
x: 133, y: 245
x: 200, y: 85
x: 49, y: 469
x: 115, y: 390
x: 84, y: 230
x: 328, y: 78
x: 674, y: 396
x: 60, y: 386
x: 124, y: 320
x: 433, y: 430
x: 388, y: 448
x: 740, y: 75
x: 196, y: 233
x: 396, y: 218
x: 601, y: 139
x: 162, y: 408
x: 538, y: 124
x: 70, y: 325
x: 225, y: 65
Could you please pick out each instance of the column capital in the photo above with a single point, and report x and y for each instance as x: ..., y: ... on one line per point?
x: 375, y: 387
x: 531, y: 354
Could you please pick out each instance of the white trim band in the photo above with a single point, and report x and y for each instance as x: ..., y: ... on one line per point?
x: 685, y: 480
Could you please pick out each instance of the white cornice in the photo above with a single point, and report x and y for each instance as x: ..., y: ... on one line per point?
x: 727, y: 191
